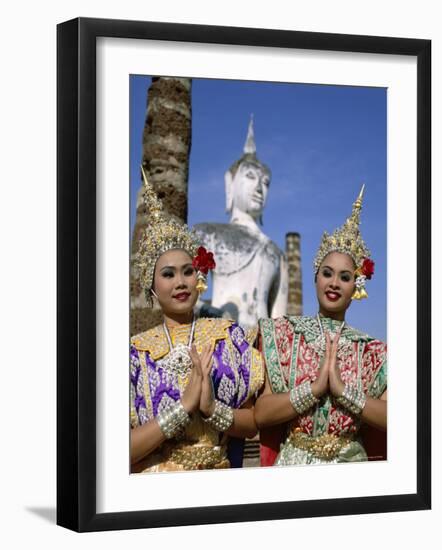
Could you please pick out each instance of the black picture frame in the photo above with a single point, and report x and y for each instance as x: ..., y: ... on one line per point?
x: 76, y: 273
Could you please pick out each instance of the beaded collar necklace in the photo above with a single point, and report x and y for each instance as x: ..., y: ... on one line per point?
x: 178, y: 360
x: 322, y: 342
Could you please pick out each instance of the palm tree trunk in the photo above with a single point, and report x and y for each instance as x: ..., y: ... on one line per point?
x: 166, y: 150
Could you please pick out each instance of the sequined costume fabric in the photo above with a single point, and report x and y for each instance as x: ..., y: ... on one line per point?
x: 237, y: 373
x: 293, y: 349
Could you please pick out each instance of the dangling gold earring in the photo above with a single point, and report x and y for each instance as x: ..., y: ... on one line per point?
x: 201, y: 284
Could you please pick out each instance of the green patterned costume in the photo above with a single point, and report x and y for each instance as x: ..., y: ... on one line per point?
x: 293, y: 348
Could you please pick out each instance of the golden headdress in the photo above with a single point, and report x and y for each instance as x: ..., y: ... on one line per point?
x: 160, y: 235
x: 348, y: 240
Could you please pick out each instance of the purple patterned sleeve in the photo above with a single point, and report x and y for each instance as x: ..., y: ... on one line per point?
x: 152, y: 389
x: 231, y: 372
x: 163, y: 389
x: 136, y: 399
x: 239, y: 341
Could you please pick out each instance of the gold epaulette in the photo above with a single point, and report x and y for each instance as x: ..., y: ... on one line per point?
x: 207, y: 331
x: 251, y: 334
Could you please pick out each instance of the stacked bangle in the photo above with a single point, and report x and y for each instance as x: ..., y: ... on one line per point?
x: 352, y: 398
x: 173, y: 420
x: 221, y: 418
x: 302, y: 398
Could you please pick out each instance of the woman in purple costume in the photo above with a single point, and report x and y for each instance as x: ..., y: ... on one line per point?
x: 193, y: 381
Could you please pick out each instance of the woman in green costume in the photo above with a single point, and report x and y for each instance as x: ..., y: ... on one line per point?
x: 325, y: 379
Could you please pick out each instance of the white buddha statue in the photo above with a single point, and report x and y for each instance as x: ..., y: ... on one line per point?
x: 251, y: 276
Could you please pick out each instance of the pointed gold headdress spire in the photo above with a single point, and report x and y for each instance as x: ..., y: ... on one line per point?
x: 153, y: 205
x: 348, y: 240
x: 160, y: 235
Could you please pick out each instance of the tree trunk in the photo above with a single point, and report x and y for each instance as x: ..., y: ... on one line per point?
x: 166, y: 149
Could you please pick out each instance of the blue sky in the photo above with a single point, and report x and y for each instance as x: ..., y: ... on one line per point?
x: 320, y: 142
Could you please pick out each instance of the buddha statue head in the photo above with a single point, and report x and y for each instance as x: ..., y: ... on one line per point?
x: 247, y: 181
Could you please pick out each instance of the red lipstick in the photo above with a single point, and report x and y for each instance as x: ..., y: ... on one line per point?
x: 182, y: 296
x: 332, y: 296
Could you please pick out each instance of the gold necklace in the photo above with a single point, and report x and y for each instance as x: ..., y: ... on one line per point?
x: 178, y: 360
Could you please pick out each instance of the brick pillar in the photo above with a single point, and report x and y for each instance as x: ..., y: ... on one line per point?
x: 293, y: 252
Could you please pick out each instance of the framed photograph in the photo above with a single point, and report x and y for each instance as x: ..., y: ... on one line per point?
x: 330, y: 112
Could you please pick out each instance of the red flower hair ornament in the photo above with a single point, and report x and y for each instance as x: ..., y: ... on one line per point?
x: 203, y: 262
x: 367, y: 268
x: 363, y: 273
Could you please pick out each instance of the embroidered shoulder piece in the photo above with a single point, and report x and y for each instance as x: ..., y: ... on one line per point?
x: 308, y: 327
x: 256, y: 372
x: 257, y: 369
x: 251, y: 334
x: 357, y: 335
x: 207, y: 330
x: 153, y: 341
